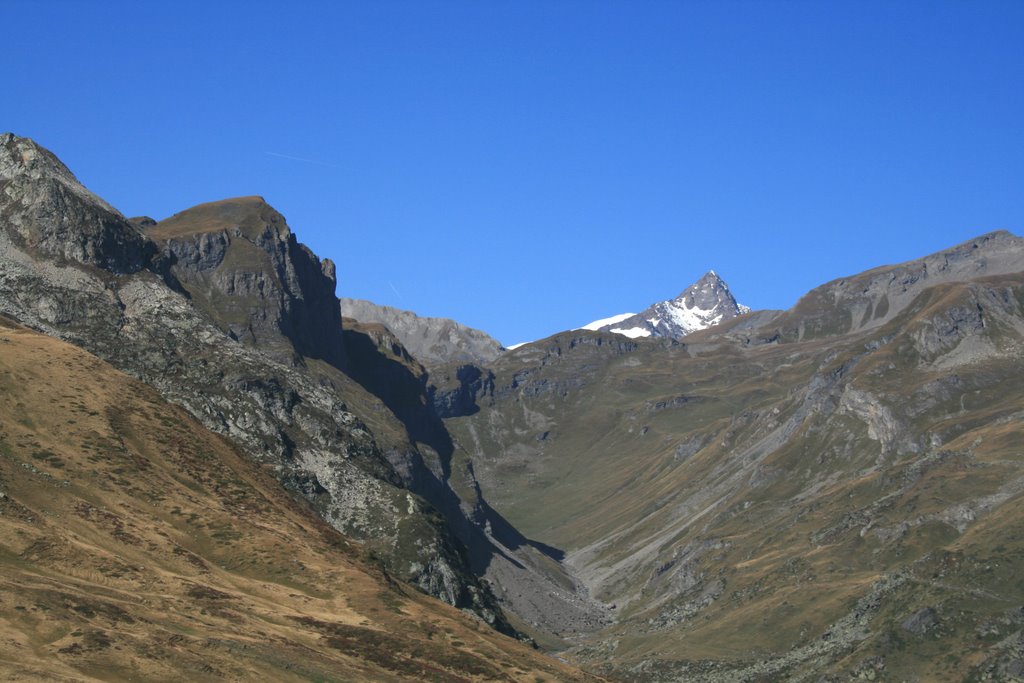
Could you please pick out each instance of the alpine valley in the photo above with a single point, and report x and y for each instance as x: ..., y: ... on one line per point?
x: 211, y: 468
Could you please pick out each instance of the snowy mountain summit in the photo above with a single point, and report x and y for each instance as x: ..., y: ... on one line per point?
x: 705, y: 303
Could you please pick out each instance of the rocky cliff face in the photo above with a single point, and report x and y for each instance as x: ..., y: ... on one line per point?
x: 240, y: 263
x: 46, y: 211
x: 182, y: 329
x: 433, y: 341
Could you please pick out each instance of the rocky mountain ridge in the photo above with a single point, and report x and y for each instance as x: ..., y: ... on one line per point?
x: 48, y: 212
x: 225, y: 314
x: 433, y: 341
x: 827, y: 493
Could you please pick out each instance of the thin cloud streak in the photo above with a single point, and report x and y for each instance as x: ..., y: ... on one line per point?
x: 303, y: 159
x: 395, y: 290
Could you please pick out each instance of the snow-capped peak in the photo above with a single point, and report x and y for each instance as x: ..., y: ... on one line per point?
x: 705, y: 303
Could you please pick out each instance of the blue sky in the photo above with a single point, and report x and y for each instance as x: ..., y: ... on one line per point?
x: 528, y: 167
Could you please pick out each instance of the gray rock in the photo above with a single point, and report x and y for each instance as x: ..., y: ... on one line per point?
x: 45, y: 210
x: 240, y: 262
x: 432, y: 341
x: 920, y: 622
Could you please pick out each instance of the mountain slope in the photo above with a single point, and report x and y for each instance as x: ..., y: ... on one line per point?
x: 433, y: 341
x: 705, y: 303
x: 169, y: 323
x: 761, y: 506
x: 135, y: 544
x: 234, y: 320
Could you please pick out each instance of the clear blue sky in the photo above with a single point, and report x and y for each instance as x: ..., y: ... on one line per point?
x: 528, y: 167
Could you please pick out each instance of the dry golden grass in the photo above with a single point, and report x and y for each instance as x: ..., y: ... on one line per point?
x: 136, y: 545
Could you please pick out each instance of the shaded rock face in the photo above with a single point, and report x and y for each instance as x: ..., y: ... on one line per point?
x: 432, y: 341
x: 382, y: 365
x: 45, y: 210
x: 527, y: 578
x: 705, y: 303
x: 456, y: 391
x: 243, y: 265
x: 106, y: 287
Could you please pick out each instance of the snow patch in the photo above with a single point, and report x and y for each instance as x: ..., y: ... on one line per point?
x: 598, y: 324
x: 692, y: 319
x: 633, y: 332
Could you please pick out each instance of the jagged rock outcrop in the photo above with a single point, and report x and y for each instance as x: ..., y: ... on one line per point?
x: 46, y: 211
x: 432, y: 341
x: 241, y: 263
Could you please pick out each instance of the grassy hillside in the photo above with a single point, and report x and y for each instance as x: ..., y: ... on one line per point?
x: 136, y: 545
x: 842, y: 506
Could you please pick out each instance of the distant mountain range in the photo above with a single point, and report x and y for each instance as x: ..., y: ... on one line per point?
x: 431, y: 341
x: 705, y: 303
x: 438, y: 341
